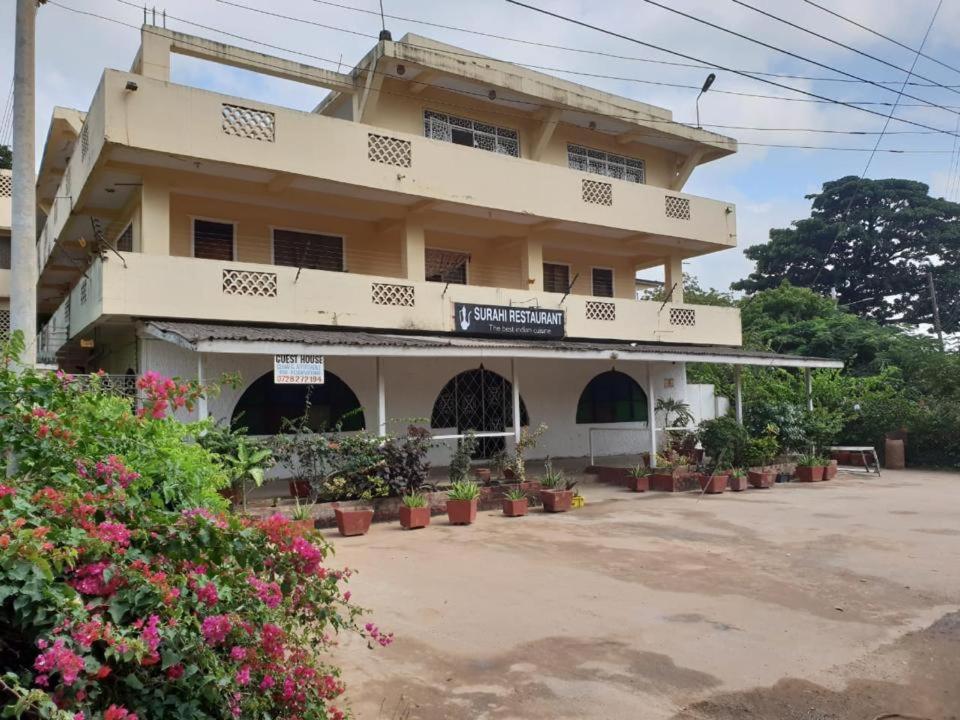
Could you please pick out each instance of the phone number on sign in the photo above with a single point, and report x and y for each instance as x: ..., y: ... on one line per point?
x: 298, y: 379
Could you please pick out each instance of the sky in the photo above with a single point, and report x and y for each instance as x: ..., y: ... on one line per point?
x: 768, y: 185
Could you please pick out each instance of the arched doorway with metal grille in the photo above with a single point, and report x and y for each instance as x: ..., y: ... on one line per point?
x: 479, y: 400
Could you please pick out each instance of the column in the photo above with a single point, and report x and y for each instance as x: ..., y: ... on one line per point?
x: 738, y: 397
x: 673, y: 273
x: 515, y: 380
x: 413, y: 250
x: 652, y: 415
x: 154, y: 217
x: 808, y: 384
x: 201, y: 380
x: 531, y: 264
x: 153, y: 60
x: 381, y: 400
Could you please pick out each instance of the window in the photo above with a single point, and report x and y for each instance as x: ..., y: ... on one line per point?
x: 264, y: 405
x: 212, y: 240
x: 603, y: 282
x: 472, y: 133
x: 556, y: 278
x: 446, y: 266
x: 612, y: 397
x: 604, y: 163
x: 5, y: 253
x: 125, y: 239
x: 309, y: 250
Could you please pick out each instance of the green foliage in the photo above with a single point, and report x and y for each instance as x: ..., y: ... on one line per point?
x: 555, y: 479
x: 6, y: 158
x: 639, y: 471
x: 463, y: 490
x: 405, y: 468
x: 462, y: 457
x: 812, y: 460
x: 724, y: 440
x: 415, y: 500
x: 528, y: 441
x: 515, y: 493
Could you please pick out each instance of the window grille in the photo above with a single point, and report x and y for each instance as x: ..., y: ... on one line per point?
x: 472, y: 133
x: 389, y: 294
x: 598, y: 193
x: 308, y: 250
x: 66, y: 180
x: 601, y: 310
x: 6, y: 184
x: 250, y: 283
x: 4, y: 323
x: 248, y: 123
x: 83, y: 291
x: 125, y: 239
x: 212, y: 240
x: 603, y: 282
x: 446, y: 266
x: 683, y: 317
x: 389, y: 151
x: 84, y: 142
x: 556, y: 278
x: 676, y: 207
x: 599, y: 162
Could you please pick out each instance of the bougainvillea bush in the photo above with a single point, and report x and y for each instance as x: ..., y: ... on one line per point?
x: 126, y: 588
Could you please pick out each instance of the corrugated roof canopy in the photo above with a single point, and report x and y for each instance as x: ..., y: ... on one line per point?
x: 270, y: 340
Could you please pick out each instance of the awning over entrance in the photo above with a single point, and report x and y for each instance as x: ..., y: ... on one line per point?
x: 271, y: 340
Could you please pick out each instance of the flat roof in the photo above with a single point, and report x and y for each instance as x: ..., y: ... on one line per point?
x: 281, y: 339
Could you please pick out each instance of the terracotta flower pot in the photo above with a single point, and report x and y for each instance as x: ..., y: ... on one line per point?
x: 353, y: 522
x: 299, y: 488
x: 830, y: 471
x: 412, y: 518
x: 809, y: 474
x: 737, y: 484
x: 761, y: 478
x: 482, y: 474
x: 303, y: 527
x: 665, y: 482
x: 714, y: 484
x: 515, y: 508
x: 461, y: 512
x: 639, y: 484
x: 556, y: 500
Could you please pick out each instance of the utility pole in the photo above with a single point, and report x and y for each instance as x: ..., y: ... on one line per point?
x: 936, y: 310
x: 23, y: 246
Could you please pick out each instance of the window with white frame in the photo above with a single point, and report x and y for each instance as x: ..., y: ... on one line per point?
x: 603, y: 282
x: 600, y: 162
x: 446, y: 266
x: 308, y: 250
x: 556, y: 278
x: 212, y: 240
x: 472, y: 133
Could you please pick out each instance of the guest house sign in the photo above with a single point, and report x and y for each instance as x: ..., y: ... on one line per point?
x: 298, y: 369
x: 505, y: 321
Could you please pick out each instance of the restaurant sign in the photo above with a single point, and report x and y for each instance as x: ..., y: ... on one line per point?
x: 298, y: 369
x: 508, y: 321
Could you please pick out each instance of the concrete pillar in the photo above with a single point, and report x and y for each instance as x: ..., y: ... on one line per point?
x: 738, y: 394
x: 531, y: 264
x: 808, y: 385
x: 381, y: 400
x: 201, y: 380
x: 154, y: 217
x: 652, y: 416
x: 153, y: 61
x: 515, y: 380
x: 673, y: 273
x: 413, y: 250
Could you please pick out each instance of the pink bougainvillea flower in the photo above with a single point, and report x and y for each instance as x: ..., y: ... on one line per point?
x: 175, y: 672
x: 215, y: 628
x: 115, y: 712
x: 208, y: 594
x: 59, y: 658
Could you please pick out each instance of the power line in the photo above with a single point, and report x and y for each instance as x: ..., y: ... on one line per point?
x: 794, y: 55
x: 718, y: 66
x: 721, y: 141
x: 880, y: 35
x: 599, y: 53
x: 839, y: 44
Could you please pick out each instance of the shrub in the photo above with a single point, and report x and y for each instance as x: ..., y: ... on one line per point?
x: 462, y: 457
x: 126, y: 592
x: 405, y: 468
x: 724, y: 439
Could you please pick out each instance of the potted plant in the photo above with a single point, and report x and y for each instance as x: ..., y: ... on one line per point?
x: 672, y: 469
x: 300, y: 518
x: 715, y: 481
x: 759, y: 455
x: 414, y: 511
x: 638, y: 478
x: 830, y: 469
x: 353, y: 521
x: 515, y: 503
x: 244, y: 460
x: 737, y: 481
x: 676, y: 414
x: 528, y: 440
x: 809, y: 468
x: 462, y: 456
x: 557, y: 492
x: 462, y: 502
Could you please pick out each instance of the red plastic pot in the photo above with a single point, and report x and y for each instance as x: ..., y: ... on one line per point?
x: 809, y: 474
x: 714, y: 484
x: 515, y: 508
x: 556, y: 500
x: 461, y: 512
x: 761, y: 478
x: 737, y: 484
x: 638, y: 484
x: 353, y: 522
x: 412, y: 518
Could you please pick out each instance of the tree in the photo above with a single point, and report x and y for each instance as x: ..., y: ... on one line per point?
x: 6, y: 158
x: 872, y: 242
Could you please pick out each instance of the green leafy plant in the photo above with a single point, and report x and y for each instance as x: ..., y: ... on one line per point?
x: 245, y: 460
x: 555, y: 479
x: 811, y: 460
x: 738, y: 473
x: 415, y: 500
x: 405, y: 468
x: 528, y: 441
x: 515, y: 493
x: 639, y: 471
x: 724, y: 436
x: 462, y: 457
x: 463, y: 490
x: 301, y: 511
x: 761, y: 451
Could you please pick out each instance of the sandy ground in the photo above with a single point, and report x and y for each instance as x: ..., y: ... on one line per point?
x: 805, y: 602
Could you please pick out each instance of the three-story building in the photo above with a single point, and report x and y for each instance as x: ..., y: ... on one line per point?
x: 456, y: 237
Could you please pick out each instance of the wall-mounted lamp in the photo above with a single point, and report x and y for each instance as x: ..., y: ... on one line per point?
x: 492, y: 94
x: 706, y: 86
x: 131, y: 86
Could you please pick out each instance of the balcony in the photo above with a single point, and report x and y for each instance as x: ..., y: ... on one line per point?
x: 153, y: 286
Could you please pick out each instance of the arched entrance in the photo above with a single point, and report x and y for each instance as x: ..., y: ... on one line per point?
x: 612, y: 397
x: 479, y: 400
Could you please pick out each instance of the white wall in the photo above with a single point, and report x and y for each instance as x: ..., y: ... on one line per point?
x: 704, y: 403
x: 549, y: 388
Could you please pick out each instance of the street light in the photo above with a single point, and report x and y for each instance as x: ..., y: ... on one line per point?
x: 706, y: 86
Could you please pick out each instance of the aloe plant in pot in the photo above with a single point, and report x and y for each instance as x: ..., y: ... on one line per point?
x: 810, y: 467
x: 462, y: 502
x: 515, y: 503
x: 414, y: 511
x: 737, y: 481
x: 557, y: 492
x: 638, y: 478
